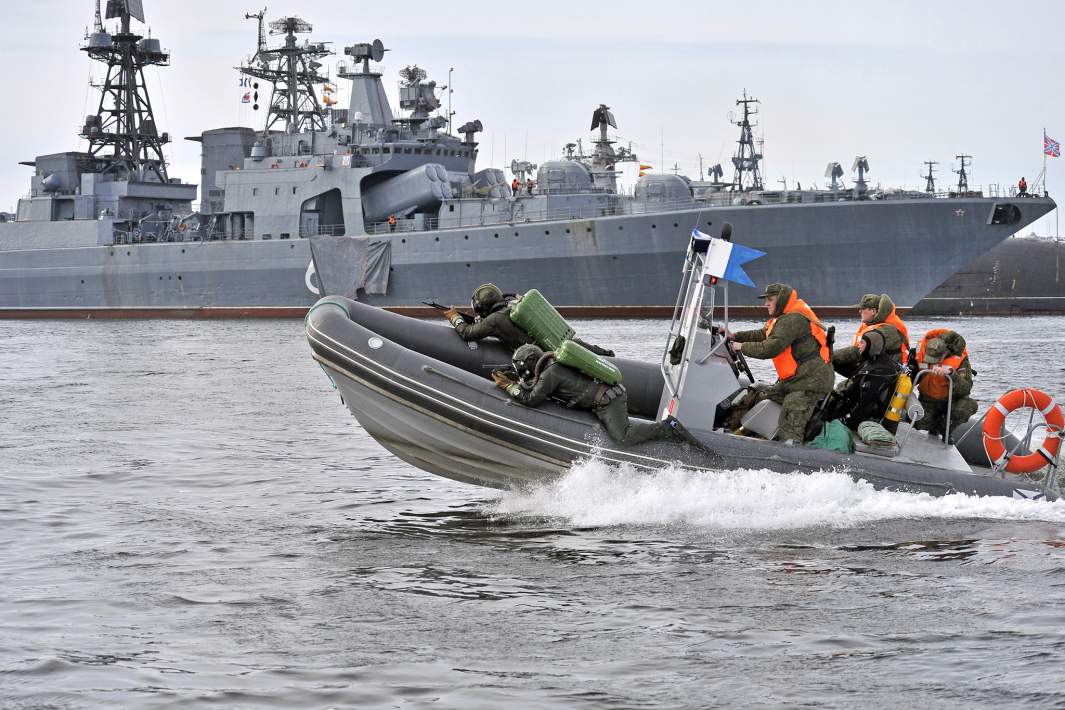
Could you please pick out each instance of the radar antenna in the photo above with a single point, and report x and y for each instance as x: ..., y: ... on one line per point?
x: 417, y: 97
x: 747, y: 159
x: 124, y: 122
x: 963, y: 177
x: 930, y: 178
x: 293, y: 70
x: 834, y: 171
x: 861, y: 166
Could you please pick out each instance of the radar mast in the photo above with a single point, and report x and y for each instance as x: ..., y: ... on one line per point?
x: 123, y: 135
x: 748, y: 175
x: 292, y: 69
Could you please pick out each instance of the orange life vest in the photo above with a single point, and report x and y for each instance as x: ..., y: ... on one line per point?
x: 894, y: 320
x: 785, y: 362
x: 936, y: 386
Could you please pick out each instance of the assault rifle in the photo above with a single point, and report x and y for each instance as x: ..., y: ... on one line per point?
x: 466, y: 317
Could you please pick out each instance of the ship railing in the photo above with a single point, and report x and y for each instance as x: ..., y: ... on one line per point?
x: 323, y: 230
x: 779, y: 197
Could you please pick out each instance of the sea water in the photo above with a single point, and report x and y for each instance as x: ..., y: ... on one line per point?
x: 190, y: 518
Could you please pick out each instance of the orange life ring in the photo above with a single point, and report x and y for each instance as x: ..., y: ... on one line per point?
x: 996, y: 417
x: 182, y: 227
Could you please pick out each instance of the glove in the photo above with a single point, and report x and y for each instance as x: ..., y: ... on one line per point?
x: 453, y: 316
x: 514, y: 390
x: 502, y: 378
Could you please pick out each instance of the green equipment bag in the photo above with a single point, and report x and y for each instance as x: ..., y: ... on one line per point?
x: 581, y: 358
x: 533, y: 314
x: 835, y: 436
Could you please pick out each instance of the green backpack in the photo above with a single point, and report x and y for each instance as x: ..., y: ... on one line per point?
x: 546, y: 326
x: 581, y: 358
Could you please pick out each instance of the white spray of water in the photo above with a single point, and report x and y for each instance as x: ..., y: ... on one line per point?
x: 596, y: 494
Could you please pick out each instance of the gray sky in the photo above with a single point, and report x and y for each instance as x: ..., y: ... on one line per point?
x: 900, y: 82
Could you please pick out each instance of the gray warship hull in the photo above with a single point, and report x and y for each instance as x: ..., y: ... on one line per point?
x: 832, y: 252
x: 1019, y: 276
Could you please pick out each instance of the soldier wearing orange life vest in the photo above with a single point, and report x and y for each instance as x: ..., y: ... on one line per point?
x: 876, y: 313
x: 943, y: 352
x: 795, y: 341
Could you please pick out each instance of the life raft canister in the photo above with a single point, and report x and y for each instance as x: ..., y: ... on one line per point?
x: 996, y: 417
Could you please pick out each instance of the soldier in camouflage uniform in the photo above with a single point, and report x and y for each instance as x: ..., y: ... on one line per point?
x: 944, y: 353
x: 787, y: 339
x: 541, y: 377
x: 493, y: 321
x: 876, y: 313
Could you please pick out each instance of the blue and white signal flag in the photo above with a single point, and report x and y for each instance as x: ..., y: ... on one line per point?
x: 725, y: 260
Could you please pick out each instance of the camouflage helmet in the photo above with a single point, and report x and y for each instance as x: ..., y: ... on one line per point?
x: 934, y: 351
x: 485, y: 297
x: 525, y: 359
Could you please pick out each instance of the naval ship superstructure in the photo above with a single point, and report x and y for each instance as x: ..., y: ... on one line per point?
x: 393, y: 210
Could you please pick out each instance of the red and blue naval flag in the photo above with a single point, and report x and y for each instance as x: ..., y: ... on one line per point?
x: 1051, y: 147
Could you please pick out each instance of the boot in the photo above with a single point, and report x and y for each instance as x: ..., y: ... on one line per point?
x: 680, y: 432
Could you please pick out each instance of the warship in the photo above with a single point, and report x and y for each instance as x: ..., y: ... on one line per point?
x: 393, y: 210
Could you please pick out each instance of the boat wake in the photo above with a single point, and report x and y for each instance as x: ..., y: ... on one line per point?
x: 595, y: 494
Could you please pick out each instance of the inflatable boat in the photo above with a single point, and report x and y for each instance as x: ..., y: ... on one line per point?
x: 428, y: 397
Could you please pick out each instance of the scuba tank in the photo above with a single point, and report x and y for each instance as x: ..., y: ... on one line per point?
x: 897, y: 406
x: 537, y: 317
x: 581, y: 358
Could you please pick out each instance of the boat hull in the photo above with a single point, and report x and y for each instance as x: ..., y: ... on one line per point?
x: 451, y: 420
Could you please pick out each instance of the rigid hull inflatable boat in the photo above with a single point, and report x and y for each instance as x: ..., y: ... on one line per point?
x: 428, y: 397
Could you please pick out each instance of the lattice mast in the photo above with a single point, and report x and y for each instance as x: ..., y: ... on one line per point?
x: 747, y: 161
x: 930, y: 177
x: 123, y: 134
x: 292, y: 70
x: 963, y: 176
